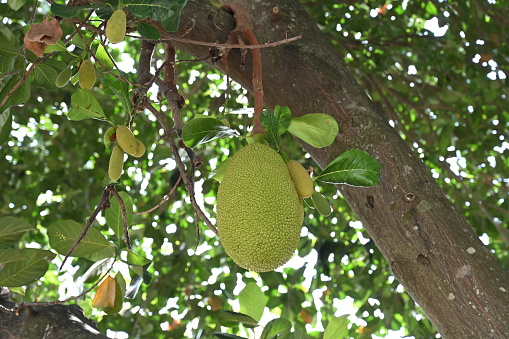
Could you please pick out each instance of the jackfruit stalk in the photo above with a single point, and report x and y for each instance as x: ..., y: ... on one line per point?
x: 259, y: 213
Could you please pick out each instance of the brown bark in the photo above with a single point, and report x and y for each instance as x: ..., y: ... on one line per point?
x: 430, y: 247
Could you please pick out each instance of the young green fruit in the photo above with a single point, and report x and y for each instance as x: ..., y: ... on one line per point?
x: 126, y: 139
x: 140, y: 149
x: 116, y: 27
x: 86, y: 75
x: 259, y: 213
x: 107, y: 137
x: 301, y: 179
x: 321, y: 204
x: 116, y: 163
x: 63, y: 78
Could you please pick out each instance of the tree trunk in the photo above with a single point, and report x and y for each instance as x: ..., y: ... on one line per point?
x: 431, y: 249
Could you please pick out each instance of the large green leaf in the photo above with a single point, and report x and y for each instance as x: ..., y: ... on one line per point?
x: 201, y: 130
x: 121, y: 90
x: 44, y: 76
x: 354, y: 168
x: 317, y: 129
x: 11, y: 255
x: 71, y: 11
x: 24, y: 272
x: 231, y: 319
x: 12, y: 229
x: 337, y: 328
x: 252, y: 301
x: 104, y: 58
x: 275, y: 124
x: 85, y: 106
x: 148, y: 31
x: 5, y: 125
x: 16, y: 4
x: 276, y: 327
x: 166, y: 11
x: 19, y: 96
x: 114, y: 214
x: 63, y: 233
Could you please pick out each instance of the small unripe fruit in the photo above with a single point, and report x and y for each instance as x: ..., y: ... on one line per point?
x: 140, y: 149
x: 301, y: 179
x: 86, y: 75
x: 107, y: 137
x: 321, y: 204
x: 63, y: 78
x: 116, y: 27
x: 126, y: 139
x: 116, y: 163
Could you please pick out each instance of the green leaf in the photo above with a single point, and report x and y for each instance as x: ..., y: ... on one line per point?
x: 71, y: 11
x: 85, y: 106
x: 136, y: 259
x: 5, y: 125
x: 16, y: 4
x: 275, y: 327
x: 252, y: 301
x: 201, y: 130
x: 19, y: 96
x: 355, y: 168
x: 24, y: 272
x: 284, y: 118
x: 104, y: 58
x: 167, y: 12
x: 148, y: 32
x: 317, y: 129
x: 63, y: 233
x: 8, y: 48
x: 220, y: 170
x: 44, y: 76
x: 227, y: 336
x: 114, y: 214
x: 12, y: 229
x: 271, y: 126
x: 121, y: 90
x: 231, y: 319
x: 10, y: 255
x: 337, y: 328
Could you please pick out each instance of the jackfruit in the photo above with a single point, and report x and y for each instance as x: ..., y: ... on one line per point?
x: 259, y: 213
x: 126, y: 139
x: 116, y: 163
x: 116, y: 27
x: 301, y: 179
x: 86, y: 75
x: 140, y: 149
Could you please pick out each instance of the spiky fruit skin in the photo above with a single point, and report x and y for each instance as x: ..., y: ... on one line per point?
x: 126, y: 139
x: 116, y: 27
x: 116, y: 163
x: 86, y: 75
x: 259, y: 213
x: 301, y: 179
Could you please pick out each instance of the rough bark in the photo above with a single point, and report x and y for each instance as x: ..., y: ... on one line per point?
x: 431, y: 249
x: 56, y: 322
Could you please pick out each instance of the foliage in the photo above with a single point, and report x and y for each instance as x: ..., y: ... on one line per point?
x: 54, y: 168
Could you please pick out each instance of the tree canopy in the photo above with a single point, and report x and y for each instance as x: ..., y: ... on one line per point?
x: 436, y: 70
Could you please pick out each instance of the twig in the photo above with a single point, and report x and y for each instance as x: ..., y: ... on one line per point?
x: 124, y: 215
x: 233, y: 45
x: 165, y: 198
x: 104, y: 203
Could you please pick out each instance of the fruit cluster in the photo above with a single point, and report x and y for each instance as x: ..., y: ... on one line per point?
x: 126, y: 142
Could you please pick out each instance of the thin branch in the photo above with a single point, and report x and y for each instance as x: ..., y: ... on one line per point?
x: 233, y: 45
x: 165, y: 198
x: 103, y: 204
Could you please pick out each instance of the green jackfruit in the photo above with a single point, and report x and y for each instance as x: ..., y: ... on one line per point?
x: 116, y: 27
x: 301, y: 179
x: 126, y: 139
x: 140, y: 149
x: 86, y: 75
x: 259, y: 213
x: 116, y: 163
